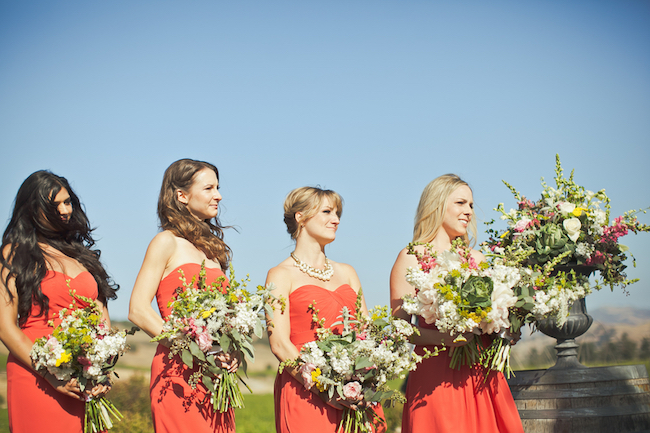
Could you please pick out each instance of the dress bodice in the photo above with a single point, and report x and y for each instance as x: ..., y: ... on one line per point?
x: 56, y: 286
x: 328, y: 303
x: 168, y: 285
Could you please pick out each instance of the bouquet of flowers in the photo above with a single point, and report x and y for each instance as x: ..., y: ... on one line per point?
x: 207, y: 319
x: 565, y: 228
x: 356, y: 364
x: 461, y: 296
x: 85, y: 348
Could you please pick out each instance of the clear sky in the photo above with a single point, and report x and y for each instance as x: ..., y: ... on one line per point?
x: 370, y: 98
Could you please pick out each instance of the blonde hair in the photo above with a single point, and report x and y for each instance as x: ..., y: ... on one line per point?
x: 432, y: 207
x: 307, y: 200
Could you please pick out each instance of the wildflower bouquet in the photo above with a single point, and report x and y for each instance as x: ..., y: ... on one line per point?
x: 565, y: 228
x: 85, y: 348
x: 461, y: 296
x: 356, y: 364
x: 207, y: 319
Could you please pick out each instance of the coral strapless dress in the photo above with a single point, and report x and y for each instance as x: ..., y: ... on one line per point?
x: 298, y: 410
x: 175, y: 406
x: 34, y: 405
x: 441, y: 399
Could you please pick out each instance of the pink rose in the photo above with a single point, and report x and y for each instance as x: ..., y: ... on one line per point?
x: 204, y: 341
x: 352, y: 391
x: 305, y: 372
x: 522, y: 225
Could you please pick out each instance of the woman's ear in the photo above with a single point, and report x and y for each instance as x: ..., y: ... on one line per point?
x: 298, y: 217
x: 181, y: 196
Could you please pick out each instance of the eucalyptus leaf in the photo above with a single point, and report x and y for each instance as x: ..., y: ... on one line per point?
x: 362, y: 362
x: 258, y: 329
x: 196, y: 352
x: 187, y: 358
x: 225, y: 343
x: 207, y: 381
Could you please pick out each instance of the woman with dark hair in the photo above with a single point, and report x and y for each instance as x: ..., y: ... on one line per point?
x: 46, y: 252
x: 191, y: 234
x: 439, y: 398
x: 307, y: 279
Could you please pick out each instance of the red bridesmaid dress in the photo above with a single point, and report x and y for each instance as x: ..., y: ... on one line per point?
x: 441, y: 399
x: 34, y: 405
x: 298, y: 410
x: 175, y: 406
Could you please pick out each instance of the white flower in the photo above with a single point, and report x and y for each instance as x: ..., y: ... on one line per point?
x: 566, y: 208
x: 600, y: 217
x: 584, y: 249
x: 572, y: 227
x: 448, y: 261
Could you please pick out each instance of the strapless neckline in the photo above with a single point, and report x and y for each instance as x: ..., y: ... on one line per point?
x: 322, y: 288
x: 67, y: 275
x: 198, y: 265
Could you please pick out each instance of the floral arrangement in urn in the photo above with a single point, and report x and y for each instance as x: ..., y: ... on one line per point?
x: 568, y: 228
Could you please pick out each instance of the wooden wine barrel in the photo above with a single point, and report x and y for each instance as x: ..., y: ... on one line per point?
x: 600, y: 399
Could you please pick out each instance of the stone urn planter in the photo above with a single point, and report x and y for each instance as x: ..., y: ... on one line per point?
x: 576, y: 324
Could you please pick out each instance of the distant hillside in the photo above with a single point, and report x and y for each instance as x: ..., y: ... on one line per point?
x: 610, y: 324
x: 621, y: 315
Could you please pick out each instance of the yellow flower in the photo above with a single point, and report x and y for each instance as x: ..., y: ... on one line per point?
x: 206, y: 314
x: 578, y: 211
x: 314, y: 377
x: 506, y: 233
x: 63, y: 358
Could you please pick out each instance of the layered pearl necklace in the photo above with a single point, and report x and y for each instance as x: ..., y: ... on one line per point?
x: 321, y: 274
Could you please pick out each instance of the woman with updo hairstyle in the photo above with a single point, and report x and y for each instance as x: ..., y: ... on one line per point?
x: 47, y: 251
x: 188, y: 207
x: 307, y: 277
x: 439, y: 398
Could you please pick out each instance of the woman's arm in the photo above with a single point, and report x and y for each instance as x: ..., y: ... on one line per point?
x: 141, y: 312
x: 18, y: 343
x: 399, y: 287
x: 279, y: 326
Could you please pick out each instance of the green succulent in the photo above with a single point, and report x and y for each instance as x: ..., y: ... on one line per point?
x: 550, y: 242
x: 478, y: 291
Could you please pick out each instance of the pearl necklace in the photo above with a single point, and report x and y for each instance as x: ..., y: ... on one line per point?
x: 321, y: 274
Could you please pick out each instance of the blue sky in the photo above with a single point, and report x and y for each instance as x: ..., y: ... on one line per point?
x: 370, y: 98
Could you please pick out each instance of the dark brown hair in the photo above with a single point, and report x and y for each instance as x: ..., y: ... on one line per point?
x: 35, y: 219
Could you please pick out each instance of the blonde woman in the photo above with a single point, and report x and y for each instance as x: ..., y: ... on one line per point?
x: 187, y: 209
x: 307, y: 277
x: 441, y: 399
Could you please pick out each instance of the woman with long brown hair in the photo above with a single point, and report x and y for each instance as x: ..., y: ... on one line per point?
x: 191, y: 234
x: 47, y: 251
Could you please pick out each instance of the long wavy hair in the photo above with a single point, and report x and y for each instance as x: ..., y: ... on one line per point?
x: 206, y: 235
x: 35, y: 219
x: 433, y: 206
